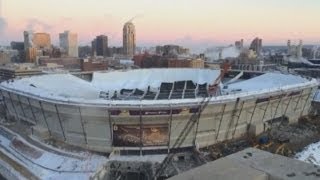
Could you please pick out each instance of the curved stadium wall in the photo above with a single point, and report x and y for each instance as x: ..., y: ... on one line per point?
x: 163, y: 125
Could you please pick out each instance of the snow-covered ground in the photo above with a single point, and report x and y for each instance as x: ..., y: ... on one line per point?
x: 311, y: 154
x: 48, y: 165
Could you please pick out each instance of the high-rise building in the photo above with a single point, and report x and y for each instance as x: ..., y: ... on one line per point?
x: 36, y: 44
x: 256, y: 46
x: 36, y: 40
x: 295, y: 50
x: 28, y: 39
x: 239, y: 44
x: 31, y: 54
x: 69, y: 43
x: 99, y: 46
x: 102, y: 45
x: 94, y: 47
x: 129, y: 39
x: 41, y: 41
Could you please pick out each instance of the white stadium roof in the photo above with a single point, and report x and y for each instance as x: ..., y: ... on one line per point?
x: 66, y: 87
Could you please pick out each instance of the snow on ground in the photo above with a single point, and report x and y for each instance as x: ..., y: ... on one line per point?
x: 311, y: 154
x: 226, y: 52
x: 267, y: 81
x: 47, y: 165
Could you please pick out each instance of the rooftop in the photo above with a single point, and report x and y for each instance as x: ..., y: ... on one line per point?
x: 145, y: 84
x: 252, y: 164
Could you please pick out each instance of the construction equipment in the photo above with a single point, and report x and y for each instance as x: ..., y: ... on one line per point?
x: 215, y: 86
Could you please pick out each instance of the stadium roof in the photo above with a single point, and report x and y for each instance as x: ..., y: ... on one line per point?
x: 126, y: 87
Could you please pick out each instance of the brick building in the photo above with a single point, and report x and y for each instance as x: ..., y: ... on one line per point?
x: 156, y: 61
x: 70, y: 63
x: 93, y: 65
x: 186, y: 63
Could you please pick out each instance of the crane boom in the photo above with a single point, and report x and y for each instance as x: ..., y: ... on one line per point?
x: 214, y: 87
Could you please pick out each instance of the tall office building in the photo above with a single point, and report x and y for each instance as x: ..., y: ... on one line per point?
x: 36, y: 40
x: 69, y: 43
x: 28, y: 39
x: 36, y: 44
x: 239, y: 44
x: 295, y: 50
x: 129, y: 39
x: 256, y: 46
x: 101, y: 45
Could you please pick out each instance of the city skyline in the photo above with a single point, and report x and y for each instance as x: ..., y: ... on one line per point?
x: 188, y: 23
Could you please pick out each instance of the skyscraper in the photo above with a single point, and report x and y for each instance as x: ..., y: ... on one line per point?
x: 36, y: 44
x: 129, y: 39
x: 69, y: 43
x: 256, y: 46
x: 101, y: 43
x: 36, y: 40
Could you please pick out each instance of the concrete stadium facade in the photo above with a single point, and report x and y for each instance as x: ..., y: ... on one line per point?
x: 157, y: 125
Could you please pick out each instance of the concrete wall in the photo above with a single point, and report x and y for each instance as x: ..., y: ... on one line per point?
x: 91, y: 127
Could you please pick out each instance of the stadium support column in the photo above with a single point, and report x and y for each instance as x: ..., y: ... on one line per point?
x: 24, y: 114
x: 297, y: 102
x: 82, y: 126
x: 217, y: 135
x: 110, y: 125
x: 58, y: 115
x: 5, y: 105
x: 140, y: 119
x: 237, y: 122
x: 45, y: 119
x: 252, y: 114
x: 198, y: 119
x: 304, y: 106
x: 14, y: 108
x: 285, y: 111
x: 265, y: 110
x: 169, y: 131
x: 276, y: 111
x: 33, y: 115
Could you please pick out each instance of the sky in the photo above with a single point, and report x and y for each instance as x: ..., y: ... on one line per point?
x: 192, y: 23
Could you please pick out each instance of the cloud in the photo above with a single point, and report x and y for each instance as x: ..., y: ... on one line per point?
x: 3, y: 25
x: 38, y: 25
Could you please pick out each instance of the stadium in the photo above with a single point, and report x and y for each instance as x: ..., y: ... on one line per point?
x: 154, y: 110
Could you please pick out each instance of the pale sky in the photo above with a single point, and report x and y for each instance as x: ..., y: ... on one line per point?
x: 190, y: 22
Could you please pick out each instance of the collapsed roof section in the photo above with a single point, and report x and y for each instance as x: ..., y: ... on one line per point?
x: 144, y: 78
x: 142, y: 82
